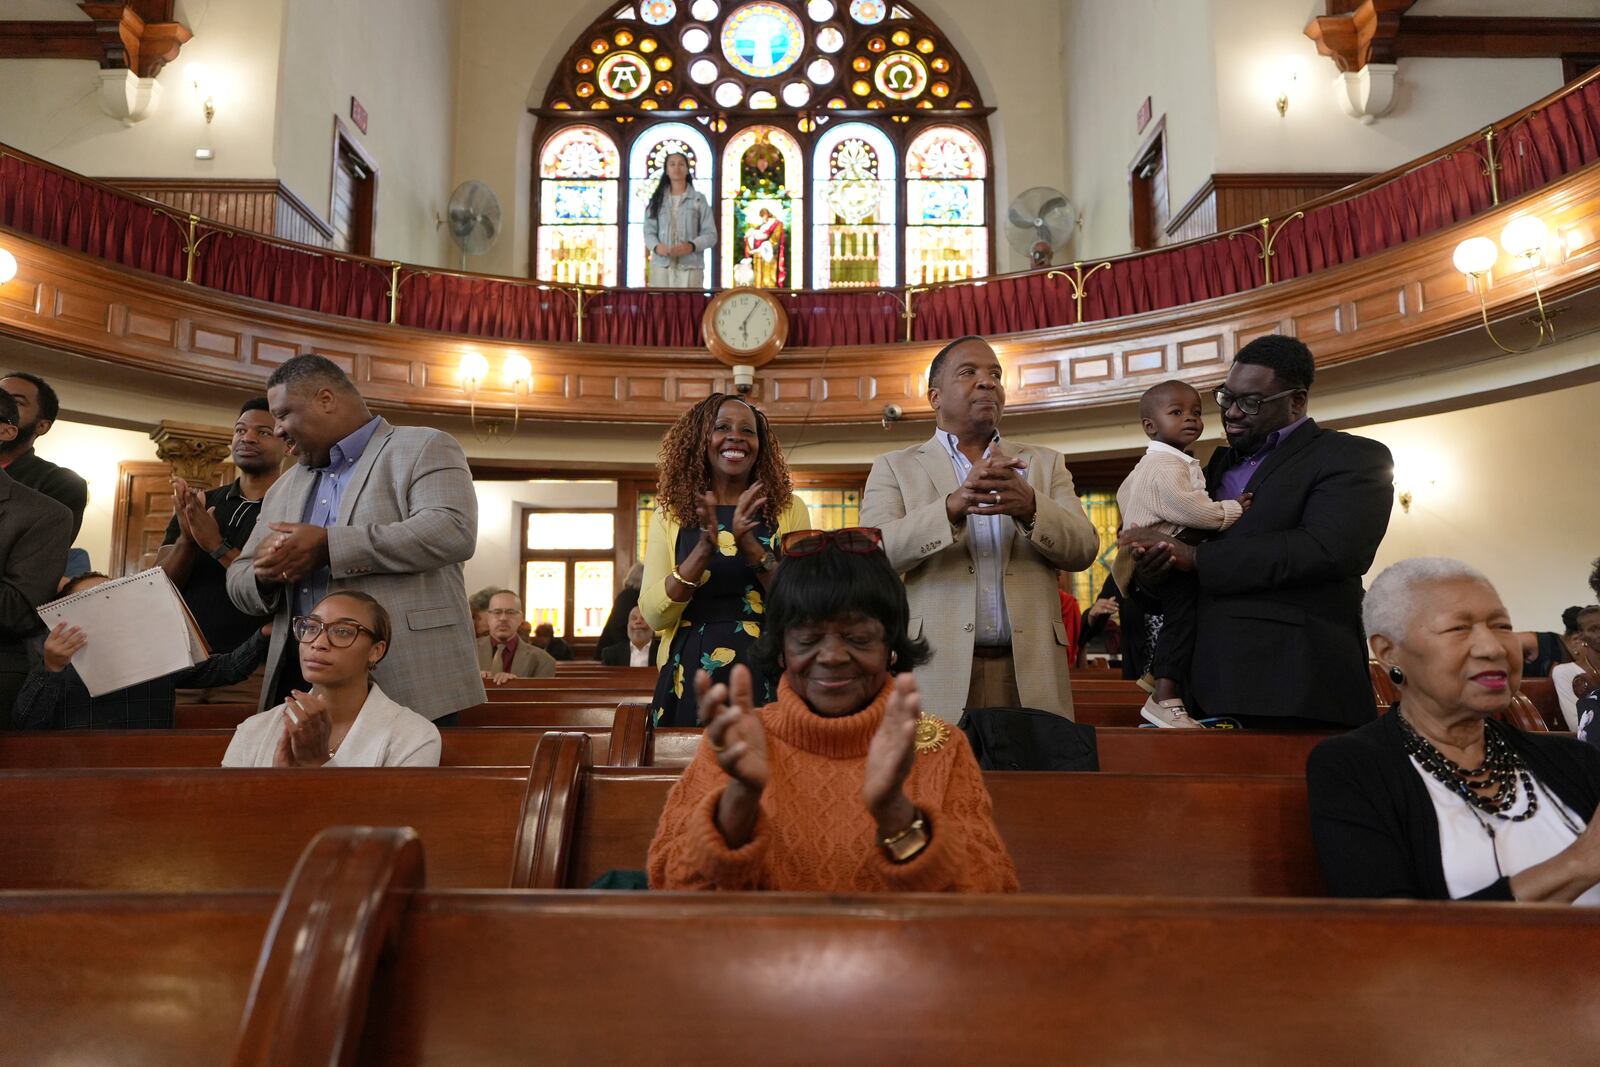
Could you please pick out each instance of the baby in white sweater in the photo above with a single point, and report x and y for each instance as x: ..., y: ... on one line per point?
x: 1168, y: 490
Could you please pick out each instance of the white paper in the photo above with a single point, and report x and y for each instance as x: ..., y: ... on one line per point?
x: 138, y: 629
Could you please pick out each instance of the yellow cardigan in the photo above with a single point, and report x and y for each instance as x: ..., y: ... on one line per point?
x: 661, y: 611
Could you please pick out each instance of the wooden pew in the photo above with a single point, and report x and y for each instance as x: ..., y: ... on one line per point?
x: 587, y: 694
x: 484, y: 977
x: 541, y: 713
x: 1174, y: 835
x: 621, y: 741
x: 178, y: 830
x: 1125, y: 749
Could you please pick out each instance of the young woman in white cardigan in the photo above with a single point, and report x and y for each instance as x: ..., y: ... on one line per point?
x: 345, y: 720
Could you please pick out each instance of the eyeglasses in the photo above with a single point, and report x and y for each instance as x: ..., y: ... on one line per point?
x: 1249, y: 404
x: 503, y: 612
x: 341, y: 634
x: 858, y: 540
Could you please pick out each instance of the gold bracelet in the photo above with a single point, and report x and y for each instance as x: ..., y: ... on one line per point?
x: 681, y: 580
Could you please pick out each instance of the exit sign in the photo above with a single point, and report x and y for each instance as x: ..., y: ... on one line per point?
x: 1143, y: 120
x: 358, y: 114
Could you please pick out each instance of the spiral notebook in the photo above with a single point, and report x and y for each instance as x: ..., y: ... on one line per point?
x: 138, y: 628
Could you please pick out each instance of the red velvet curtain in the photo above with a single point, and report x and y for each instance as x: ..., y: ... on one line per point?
x: 486, y: 307
x: 247, y: 266
x: 97, y: 222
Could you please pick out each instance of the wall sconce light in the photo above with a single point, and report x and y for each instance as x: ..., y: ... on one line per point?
x: 204, y: 88
x: 1524, y: 239
x: 8, y: 266
x: 517, y: 373
x: 1286, y: 82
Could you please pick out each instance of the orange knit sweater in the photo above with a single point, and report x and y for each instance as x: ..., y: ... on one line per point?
x: 814, y: 832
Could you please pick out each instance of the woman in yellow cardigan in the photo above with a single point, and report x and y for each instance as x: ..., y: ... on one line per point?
x: 723, y: 500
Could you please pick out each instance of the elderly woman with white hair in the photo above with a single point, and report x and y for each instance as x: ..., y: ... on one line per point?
x: 1438, y: 800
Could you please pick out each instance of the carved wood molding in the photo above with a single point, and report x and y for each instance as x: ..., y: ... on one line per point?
x: 1406, y: 295
x: 1354, y: 34
x: 136, y: 35
x: 200, y: 455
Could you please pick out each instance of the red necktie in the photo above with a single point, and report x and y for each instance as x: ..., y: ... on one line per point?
x: 508, y: 652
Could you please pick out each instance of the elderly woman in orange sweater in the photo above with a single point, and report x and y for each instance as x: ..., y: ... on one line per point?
x: 842, y: 785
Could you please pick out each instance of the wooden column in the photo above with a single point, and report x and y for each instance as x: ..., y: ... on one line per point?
x: 197, y: 454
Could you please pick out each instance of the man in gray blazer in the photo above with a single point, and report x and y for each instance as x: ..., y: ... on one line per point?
x: 387, y: 510
x: 35, y: 532
x: 979, y: 527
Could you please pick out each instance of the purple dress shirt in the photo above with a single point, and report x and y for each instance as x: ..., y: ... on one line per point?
x: 1236, y: 477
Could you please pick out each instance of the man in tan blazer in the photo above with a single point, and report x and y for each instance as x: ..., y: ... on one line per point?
x: 979, y: 528
x: 502, y: 654
x: 387, y: 510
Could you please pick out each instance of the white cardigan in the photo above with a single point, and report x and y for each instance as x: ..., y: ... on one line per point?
x: 383, y: 735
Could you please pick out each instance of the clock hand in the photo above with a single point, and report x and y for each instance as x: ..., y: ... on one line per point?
x: 747, y: 314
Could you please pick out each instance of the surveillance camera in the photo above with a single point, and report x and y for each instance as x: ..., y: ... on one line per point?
x: 892, y: 413
x: 744, y: 378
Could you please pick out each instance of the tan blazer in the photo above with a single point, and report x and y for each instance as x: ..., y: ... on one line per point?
x: 905, y: 499
x: 529, y: 661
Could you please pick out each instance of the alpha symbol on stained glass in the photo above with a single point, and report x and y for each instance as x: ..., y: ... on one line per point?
x: 624, y: 76
x: 762, y: 40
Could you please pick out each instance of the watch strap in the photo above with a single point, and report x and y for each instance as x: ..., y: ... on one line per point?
x: 221, y: 550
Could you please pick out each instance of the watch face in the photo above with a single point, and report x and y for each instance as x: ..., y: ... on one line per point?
x: 745, y: 321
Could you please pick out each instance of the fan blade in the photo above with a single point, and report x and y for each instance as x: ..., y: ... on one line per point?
x: 1018, y: 219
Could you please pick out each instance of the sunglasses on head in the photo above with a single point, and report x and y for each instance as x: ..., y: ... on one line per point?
x: 858, y: 540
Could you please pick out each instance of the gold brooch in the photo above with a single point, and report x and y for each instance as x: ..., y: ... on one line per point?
x: 932, y: 733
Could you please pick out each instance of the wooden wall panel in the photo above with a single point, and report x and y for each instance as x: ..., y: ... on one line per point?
x: 1227, y: 201
x: 263, y: 206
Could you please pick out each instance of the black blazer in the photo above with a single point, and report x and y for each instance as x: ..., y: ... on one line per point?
x: 617, y: 655
x: 1279, y: 609
x: 1374, y: 825
x: 35, y: 532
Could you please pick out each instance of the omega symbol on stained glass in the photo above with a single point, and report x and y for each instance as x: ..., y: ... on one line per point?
x: 624, y: 76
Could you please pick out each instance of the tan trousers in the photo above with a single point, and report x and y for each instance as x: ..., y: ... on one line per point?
x: 994, y: 683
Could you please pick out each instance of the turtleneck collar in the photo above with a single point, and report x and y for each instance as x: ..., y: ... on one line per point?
x: 843, y: 737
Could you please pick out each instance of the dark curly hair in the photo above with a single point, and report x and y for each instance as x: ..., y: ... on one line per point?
x: 834, y: 585
x: 1594, y: 578
x: 685, y: 472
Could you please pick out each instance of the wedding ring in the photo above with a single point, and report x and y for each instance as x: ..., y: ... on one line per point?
x: 995, y: 493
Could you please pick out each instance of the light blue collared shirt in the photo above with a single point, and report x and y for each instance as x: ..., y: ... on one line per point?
x: 989, y: 534
x: 322, y: 507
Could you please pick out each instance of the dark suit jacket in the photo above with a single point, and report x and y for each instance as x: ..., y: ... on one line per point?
x: 1373, y: 822
x: 35, y: 532
x: 1279, y: 612
x: 617, y: 655
x: 57, y: 483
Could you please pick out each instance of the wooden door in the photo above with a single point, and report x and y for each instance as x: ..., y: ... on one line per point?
x: 142, y: 508
x: 1147, y: 187
x: 353, y: 209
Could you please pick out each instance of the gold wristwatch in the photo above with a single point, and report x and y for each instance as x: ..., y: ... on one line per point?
x: 908, y: 843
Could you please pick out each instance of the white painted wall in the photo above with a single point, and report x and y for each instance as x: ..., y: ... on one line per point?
x: 51, y: 109
x: 1526, y: 516
x: 399, y: 58
x: 94, y: 452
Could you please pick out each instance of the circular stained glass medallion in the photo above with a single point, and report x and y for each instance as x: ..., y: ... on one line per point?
x: 868, y: 12
x: 658, y: 12
x: 703, y: 71
x: 762, y: 40
x: 704, y: 10
x: 830, y: 39
x: 624, y: 75
x: 820, y: 10
x: 820, y: 71
x: 695, y: 39
x: 901, y: 76
x: 729, y: 94
x: 796, y: 94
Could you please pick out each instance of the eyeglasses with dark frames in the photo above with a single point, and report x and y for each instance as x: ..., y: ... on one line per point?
x: 857, y: 540
x: 342, y: 633
x: 1250, y: 404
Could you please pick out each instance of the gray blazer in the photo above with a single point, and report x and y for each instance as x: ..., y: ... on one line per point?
x: 407, y: 522
x: 35, y: 532
x: 695, y: 225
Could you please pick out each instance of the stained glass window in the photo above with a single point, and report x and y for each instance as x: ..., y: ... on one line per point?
x: 658, y: 12
x: 762, y: 40
x: 868, y: 12
x: 646, y: 158
x: 1101, y: 507
x: 577, y: 240
x: 947, y: 238
x: 832, y: 509
x: 763, y: 177
x: 853, y: 200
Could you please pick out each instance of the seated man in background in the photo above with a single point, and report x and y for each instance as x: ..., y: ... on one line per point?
x: 639, y: 650
x: 37, y: 408
x: 503, y: 654
x: 54, y: 698
x: 207, y: 530
x: 544, y: 635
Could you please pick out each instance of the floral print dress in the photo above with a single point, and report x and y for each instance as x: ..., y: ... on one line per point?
x: 720, y: 624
